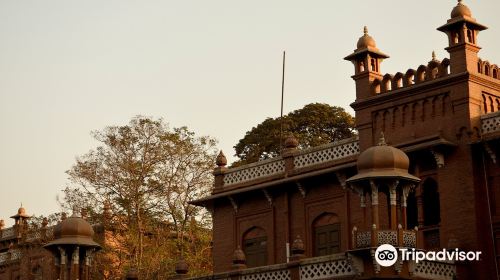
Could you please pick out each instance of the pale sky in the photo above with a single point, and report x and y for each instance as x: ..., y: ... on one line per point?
x: 70, y: 67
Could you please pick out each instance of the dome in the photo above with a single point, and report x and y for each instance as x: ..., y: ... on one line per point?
x: 383, y: 161
x: 366, y: 41
x: 73, y: 231
x: 460, y: 10
x: 21, y: 211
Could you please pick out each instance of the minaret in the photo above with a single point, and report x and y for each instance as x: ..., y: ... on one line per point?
x: 462, y: 30
x: 366, y: 59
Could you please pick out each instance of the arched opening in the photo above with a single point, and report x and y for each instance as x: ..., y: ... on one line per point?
x: 37, y: 273
x: 492, y: 106
x: 430, y: 197
x: 470, y: 37
x: 411, y: 211
x: 444, y: 68
x: 409, y: 78
x: 432, y: 213
x: 495, y: 73
x: 421, y: 71
x: 373, y: 65
x: 485, y: 106
x: 387, y: 83
x: 397, y: 81
x: 487, y: 69
x: 255, y: 247
x: 376, y: 87
x: 479, y: 67
x: 326, y: 234
x: 361, y: 67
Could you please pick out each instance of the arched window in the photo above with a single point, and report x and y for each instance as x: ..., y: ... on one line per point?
x: 376, y: 87
x: 37, y: 273
x: 432, y: 215
x: 430, y: 198
x: 255, y: 247
x: 326, y: 234
x: 411, y: 211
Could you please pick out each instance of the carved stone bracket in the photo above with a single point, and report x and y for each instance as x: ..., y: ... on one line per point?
x: 490, y: 152
x: 405, y: 191
x: 301, y: 189
x: 342, y: 178
x: 392, y: 192
x: 268, y: 197
x: 374, y: 189
x: 376, y: 266
x: 356, y: 263
x: 233, y: 202
x: 438, y: 157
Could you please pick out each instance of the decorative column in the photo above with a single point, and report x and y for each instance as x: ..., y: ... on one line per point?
x: 393, y: 202
x: 404, y: 198
x: 75, y: 264
x: 375, y: 218
x: 62, y: 267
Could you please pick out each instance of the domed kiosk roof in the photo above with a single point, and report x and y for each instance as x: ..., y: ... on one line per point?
x: 383, y: 161
x: 366, y: 40
x: 73, y: 231
x: 460, y: 10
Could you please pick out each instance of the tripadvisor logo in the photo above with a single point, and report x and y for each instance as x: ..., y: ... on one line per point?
x: 387, y: 255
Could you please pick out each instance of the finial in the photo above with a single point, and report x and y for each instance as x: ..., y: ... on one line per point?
x: 75, y: 211
x: 459, y: 1
x: 381, y: 141
x: 291, y: 142
x: 433, y: 55
x: 221, y: 159
x: 365, y: 30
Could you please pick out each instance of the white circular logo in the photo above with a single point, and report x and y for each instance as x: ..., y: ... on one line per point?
x: 386, y: 255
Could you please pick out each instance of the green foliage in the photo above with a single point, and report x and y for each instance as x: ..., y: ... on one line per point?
x: 313, y: 125
x: 146, y: 173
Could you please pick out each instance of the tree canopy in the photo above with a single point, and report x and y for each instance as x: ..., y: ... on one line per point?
x: 138, y: 183
x: 313, y: 125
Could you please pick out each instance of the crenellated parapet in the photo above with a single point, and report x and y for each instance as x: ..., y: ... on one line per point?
x: 434, y: 69
x: 484, y: 67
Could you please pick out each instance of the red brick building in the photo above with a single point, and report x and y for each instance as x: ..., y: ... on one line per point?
x: 298, y: 217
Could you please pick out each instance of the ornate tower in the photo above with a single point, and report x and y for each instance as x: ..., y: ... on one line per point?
x: 462, y: 30
x: 20, y: 221
x: 366, y: 59
x: 72, y: 248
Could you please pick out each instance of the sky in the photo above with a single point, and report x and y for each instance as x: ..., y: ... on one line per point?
x: 71, y: 67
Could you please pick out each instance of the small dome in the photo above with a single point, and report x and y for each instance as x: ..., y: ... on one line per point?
x: 76, y: 226
x: 460, y: 10
x: 221, y: 159
x: 366, y: 41
x: 291, y: 142
x: 383, y: 161
x: 21, y: 211
x: 73, y: 231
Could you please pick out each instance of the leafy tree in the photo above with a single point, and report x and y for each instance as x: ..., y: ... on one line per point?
x: 313, y: 125
x: 145, y: 174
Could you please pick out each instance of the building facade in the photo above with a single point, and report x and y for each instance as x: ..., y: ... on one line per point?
x: 300, y: 216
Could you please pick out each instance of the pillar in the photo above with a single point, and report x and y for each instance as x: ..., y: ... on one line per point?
x: 393, y: 199
x: 375, y: 218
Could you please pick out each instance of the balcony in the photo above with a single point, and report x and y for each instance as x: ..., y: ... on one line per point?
x: 374, y: 238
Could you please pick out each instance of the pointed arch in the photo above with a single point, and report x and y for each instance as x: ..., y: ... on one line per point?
x: 376, y: 86
x: 397, y: 81
x: 444, y: 68
x: 387, y: 83
x: 421, y: 73
x: 326, y: 234
x: 409, y: 78
x: 255, y: 246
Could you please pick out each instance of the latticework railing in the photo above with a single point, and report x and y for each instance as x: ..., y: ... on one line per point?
x: 396, y: 238
x: 326, y: 153
x: 321, y: 268
x: 435, y: 270
x: 254, y: 171
x: 490, y: 123
x: 276, y: 272
x: 11, y: 255
x: 8, y: 233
